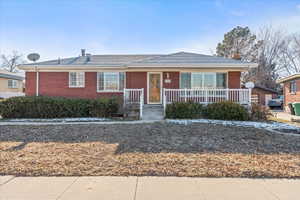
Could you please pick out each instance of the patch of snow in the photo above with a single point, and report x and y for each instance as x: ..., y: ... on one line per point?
x: 262, y: 125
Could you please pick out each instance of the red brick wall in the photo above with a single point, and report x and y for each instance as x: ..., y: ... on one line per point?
x: 30, y: 81
x: 174, y: 77
x: 290, y: 97
x: 234, y: 79
x: 262, y: 95
x: 57, y: 84
x: 137, y: 80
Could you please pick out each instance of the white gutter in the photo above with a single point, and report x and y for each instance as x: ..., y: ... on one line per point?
x: 288, y: 78
x: 177, y: 65
x: 37, y: 81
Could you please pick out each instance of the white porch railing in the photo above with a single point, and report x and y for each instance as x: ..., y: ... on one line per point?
x: 206, y: 96
x: 134, y: 96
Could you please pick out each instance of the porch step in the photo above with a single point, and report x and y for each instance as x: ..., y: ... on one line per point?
x: 153, y: 112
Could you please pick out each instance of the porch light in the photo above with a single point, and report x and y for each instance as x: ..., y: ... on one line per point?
x: 168, y: 75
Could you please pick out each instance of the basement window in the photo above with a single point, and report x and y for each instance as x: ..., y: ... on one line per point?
x: 76, y: 79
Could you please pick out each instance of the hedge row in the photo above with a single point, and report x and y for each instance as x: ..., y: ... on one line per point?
x: 57, y: 107
x: 222, y: 110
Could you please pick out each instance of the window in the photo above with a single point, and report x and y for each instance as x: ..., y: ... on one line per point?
x: 196, y: 80
x: 12, y: 83
x: 76, y: 79
x: 293, y: 87
x: 110, y: 81
x: 209, y: 80
x: 203, y: 80
x: 221, y: 80
x: 185, y: 80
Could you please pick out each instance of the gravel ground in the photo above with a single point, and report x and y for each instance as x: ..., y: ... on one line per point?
x: 159, y: 149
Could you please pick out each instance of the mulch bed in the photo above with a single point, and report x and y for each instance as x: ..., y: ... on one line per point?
x: 159, y: 149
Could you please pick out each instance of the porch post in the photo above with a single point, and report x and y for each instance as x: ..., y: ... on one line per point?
x: 227, y: 94
x: 250, y: 92
x: 124, y: 97
x: 141, y: 103
x: 164, y: 101
x: 206, y: 97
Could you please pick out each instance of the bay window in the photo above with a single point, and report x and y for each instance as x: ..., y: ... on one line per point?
x: 203, y: 80
x: 110, y: 81
x: 76, y: 79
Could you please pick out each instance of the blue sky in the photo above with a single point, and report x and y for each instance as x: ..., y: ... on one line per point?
x: 60, y: 28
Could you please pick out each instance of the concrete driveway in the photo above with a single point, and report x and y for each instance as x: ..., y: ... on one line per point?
x: 147, y: 188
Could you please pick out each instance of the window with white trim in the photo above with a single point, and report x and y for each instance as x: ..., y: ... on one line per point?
x: 293, y: 87
x: 12, y: 83
x: 110, y: 81
x: 76, y: 79
x: 194, y: 80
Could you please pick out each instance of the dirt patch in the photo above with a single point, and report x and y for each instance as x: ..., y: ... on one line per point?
x: 147, y: 149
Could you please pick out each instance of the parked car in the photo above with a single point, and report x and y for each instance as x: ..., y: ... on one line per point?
x: 278, y: 102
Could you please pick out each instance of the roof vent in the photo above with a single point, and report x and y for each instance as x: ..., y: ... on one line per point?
x: 88, y: 57
x: 82, y: 52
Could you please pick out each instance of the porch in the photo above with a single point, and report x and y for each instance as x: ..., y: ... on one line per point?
x: 202, y: 96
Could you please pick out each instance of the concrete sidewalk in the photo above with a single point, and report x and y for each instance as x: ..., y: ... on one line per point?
x: 146, y: 188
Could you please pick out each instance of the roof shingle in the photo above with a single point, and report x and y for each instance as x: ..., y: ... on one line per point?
x: 181, y: 58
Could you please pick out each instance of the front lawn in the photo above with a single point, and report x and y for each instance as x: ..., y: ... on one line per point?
x: 158, y: 149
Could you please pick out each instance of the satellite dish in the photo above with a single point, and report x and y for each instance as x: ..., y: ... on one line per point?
x: 33, y: 57
x: 249, y: 85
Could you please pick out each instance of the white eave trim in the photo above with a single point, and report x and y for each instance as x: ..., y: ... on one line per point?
x: 238, y: 66
x: 288, y: 78
x: 202, y: 65
x: 67, y: 67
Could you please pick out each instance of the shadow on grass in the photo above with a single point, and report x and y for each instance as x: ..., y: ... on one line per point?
x: 157, y: 137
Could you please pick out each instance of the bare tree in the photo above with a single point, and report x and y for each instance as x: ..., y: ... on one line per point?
x: 272, y: 42
x: 290, y: 56
x: 10, y: 62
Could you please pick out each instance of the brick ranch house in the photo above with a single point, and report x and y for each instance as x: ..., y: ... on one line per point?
x: 291, y: 90
x: 148, y: 79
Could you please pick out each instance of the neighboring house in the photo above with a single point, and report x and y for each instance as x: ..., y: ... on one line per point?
x: 151, y: 78
x: 291, y: 90
x: 11, y: 84
x: 262, y: 95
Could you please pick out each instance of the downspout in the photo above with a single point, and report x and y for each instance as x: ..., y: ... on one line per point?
x: 37, y: 82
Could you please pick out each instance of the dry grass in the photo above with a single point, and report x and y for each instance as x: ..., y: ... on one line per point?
x: 275, y: 119
x: 147, y: 149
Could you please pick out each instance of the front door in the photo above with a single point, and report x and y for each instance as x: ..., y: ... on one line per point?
x: 154, y: 88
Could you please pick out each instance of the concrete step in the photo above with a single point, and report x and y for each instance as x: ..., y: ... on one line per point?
x: 153, y: 112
